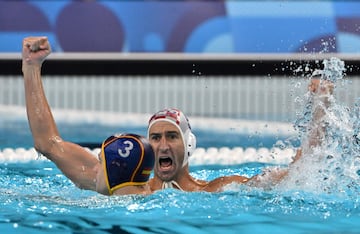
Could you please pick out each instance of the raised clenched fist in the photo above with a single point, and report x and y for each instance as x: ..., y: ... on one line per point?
x: 35, y: 50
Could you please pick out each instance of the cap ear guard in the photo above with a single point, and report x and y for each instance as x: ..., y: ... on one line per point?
x: 191, y: 144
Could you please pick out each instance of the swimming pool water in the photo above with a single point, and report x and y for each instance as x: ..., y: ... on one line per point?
x: 37, y: 198
x: 321, y: 196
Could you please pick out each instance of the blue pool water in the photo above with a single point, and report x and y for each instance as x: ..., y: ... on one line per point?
x: 37, y: 198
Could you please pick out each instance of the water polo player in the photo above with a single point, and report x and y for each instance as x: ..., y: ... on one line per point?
x: 169, y: 134
x: 126, y: 160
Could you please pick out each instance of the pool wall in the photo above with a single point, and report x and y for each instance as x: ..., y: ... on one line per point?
x: 221, y: 86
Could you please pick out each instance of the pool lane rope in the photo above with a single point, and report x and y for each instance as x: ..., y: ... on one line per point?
x: 201, y: 156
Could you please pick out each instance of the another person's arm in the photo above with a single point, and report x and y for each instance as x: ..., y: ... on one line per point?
x: 73, y: 160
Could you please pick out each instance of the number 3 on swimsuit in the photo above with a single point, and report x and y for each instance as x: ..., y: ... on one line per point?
x: 126, y: 151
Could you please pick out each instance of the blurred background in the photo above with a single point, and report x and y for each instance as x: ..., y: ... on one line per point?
x: 191, y: 26
x: 223, y: 59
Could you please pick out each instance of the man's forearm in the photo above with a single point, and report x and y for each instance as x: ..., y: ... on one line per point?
x: 40, y: 118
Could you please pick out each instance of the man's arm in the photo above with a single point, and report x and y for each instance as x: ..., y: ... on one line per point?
x: 73, y: 160
x: 320, y: 91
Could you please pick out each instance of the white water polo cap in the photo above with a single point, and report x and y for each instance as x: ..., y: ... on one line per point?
x: 177, y: 118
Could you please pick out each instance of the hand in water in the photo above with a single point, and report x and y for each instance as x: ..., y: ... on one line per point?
x: 35, y: 50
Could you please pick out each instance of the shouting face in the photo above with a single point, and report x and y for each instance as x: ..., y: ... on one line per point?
x: 168, y: 145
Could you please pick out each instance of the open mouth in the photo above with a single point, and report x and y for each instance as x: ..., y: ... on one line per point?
x: 165, y: 163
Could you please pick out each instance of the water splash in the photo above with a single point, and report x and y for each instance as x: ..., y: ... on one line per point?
x: 304, y: 118
x: 334, y: 69
x: 334, y: 165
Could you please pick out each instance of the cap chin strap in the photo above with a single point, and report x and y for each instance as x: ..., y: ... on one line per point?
x: 171, y: 184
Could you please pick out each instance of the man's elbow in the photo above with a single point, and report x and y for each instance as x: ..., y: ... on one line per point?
x: 46, y: 147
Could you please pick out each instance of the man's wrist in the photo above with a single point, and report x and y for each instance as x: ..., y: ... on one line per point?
x: 29, y: 67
